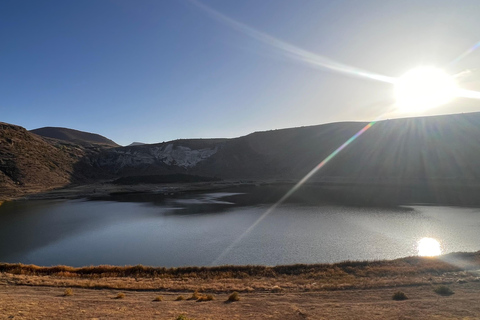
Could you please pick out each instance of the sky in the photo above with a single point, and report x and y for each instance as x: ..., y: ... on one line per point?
x: 153, y: 71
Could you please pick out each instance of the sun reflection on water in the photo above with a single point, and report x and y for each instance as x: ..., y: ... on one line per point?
x: 428, y: 247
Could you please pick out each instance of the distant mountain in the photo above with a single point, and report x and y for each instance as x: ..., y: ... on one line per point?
x: 425, y: 159
x: 136, y: 144
x: 401, y: 150
x: 74, y: 136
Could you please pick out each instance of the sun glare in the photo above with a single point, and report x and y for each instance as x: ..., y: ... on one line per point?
x: 424, y: 88
x: 428, y: 247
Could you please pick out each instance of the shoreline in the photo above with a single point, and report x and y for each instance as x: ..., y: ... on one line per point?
x: 332, y: 194
x: 329, y: 276
x: 106, y: 189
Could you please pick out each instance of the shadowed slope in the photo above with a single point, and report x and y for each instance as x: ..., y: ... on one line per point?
x: 414, y: 150
x: 425, y: 159
x: 29, y: 164
x: 73, y: 136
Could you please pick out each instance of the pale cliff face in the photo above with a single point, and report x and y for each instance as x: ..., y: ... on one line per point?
x: 168, y: 154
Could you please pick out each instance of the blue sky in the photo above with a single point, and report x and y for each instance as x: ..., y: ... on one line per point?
x: 154, y: 71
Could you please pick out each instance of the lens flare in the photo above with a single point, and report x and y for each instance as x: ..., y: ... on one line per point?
x: 292, y: 191
x: 466, y: 53
x: 428, y: 247
x: 417, y: 90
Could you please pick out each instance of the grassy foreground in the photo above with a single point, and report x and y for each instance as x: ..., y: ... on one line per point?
x: 319, y: 291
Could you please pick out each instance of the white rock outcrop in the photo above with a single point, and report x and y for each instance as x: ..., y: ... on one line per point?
x: 168, y: 154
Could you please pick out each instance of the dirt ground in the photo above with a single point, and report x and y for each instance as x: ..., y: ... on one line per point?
x: 43, y: 302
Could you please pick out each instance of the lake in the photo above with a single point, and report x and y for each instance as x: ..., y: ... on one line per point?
x: 217, y: 228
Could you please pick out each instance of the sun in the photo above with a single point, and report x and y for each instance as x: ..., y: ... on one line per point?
x: 424, y: 88
x: 428, y: 247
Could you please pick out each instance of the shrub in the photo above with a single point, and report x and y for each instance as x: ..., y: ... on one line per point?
x: 399, y: 295
x: 120, y: 295
x: 158, y: 298
x: 443, y: 290
x: 208, y: 297
x: 182, y: 317
x: 276, y: 289
x: 233, y: 297
x: 68, y: 292
x: 180, y: 298
x: 194, y: 296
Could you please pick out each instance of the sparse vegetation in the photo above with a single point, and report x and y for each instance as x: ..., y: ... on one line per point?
x: 443, y: 290
x: 340, y: 281
x: 183, y: 317
x: 405, y: 266
x: 399, y: 296
x: 195, y: 296
x: 208, y: 297
x: 298, y: 278
x: 68, y: 292
x: 276, y: 289
x: 158, y: 298
x: 120, y: 295
x: 233, y: 297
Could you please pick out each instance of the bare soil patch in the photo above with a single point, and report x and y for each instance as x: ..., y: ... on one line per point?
x: 348, y: 290
x: 34, y: 302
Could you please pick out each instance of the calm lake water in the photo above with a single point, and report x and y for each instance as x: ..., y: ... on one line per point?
x: 210, y: 228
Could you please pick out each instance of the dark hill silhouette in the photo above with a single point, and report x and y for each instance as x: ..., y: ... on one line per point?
x: 418, y: 150
x: 74, y: 136
x: 412, y: 150
x: 426, y: 159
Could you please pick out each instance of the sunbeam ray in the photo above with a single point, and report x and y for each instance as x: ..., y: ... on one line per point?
x: 468, y: 94
x: 292, y: 190
x: 292, y: 51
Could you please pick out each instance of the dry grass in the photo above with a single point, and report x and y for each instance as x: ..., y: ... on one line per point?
x: 399, y: 267
x: 208, y: 297
x: 120, y: 295
x: 276, y: 289
x: 195, y: 296
x: 68, y: 292
x: 233, y: 297
x: 42, y: 303
x: 158, y: 298
x: 443, y: 290
x: 180, y: 298
x: 246, y: 279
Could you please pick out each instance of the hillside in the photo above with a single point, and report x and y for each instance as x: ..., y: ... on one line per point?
x: 28, y: 163
x: 75, y: 136
x: 414, y: 150
x: 425, y: 159
x: 429, y: 149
